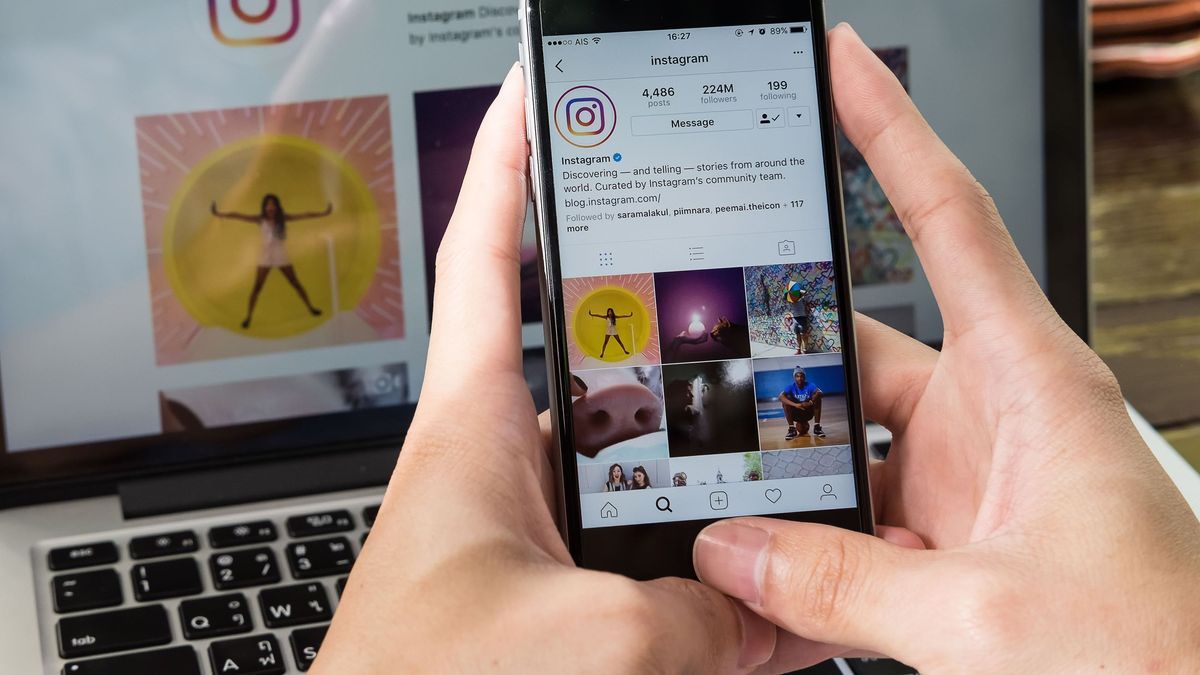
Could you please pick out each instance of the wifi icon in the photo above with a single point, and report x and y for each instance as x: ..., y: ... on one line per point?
x: 596, y: 40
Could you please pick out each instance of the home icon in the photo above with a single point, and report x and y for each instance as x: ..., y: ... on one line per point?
x: 608, y: 510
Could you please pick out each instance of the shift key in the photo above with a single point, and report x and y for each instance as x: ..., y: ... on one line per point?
x: 113, y: 631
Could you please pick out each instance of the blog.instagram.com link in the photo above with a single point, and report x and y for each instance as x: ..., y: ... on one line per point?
x: 585, y: 116
x: 249, y: 23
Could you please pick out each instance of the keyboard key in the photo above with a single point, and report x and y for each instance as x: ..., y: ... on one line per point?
x: 325, y: 522
x: 86, y: 590
x: 240, y: 534
x: 86, y: 555
x: 305, y: 643
x: 216, y: 616
x: 176, y: 660
x: 320, y: 558
x: 113, y: 631
x: 363, y: 540
x: 370, y: 514
x: 166, y: 579
x: 341, y: 585
x: 159, y: 545
x: 239, y: 569
x: 294, y: 605
x: 256, y: 655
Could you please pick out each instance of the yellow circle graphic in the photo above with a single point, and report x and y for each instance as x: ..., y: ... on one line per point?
x: 627, y: 331
x: 212, y: 262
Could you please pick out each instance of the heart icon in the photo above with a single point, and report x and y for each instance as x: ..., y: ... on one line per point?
x: 773, y: 495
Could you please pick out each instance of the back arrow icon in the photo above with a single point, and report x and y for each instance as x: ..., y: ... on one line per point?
x: 558, y: 65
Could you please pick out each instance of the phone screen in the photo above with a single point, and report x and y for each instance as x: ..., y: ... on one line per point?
x: 699, y: 276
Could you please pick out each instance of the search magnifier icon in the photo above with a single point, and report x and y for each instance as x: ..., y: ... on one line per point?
x: 663, y: 504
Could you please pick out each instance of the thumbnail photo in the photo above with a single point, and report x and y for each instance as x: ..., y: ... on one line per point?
x: 880, y: 250
x: 716, y: 469
x: 270, y: 228
x: 618, y: 414
x: 611, y: 320
x: 222, y: 405
x: 446, y: 124
x: 793, y: 309
x: 620, y: 476
x: 808, y: 462
x: 702, y: 315
x: 801, y: 402
x: 710, y: 408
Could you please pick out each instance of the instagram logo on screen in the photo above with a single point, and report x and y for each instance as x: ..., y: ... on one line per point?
x: 250, y: 23
x: 585, y: 116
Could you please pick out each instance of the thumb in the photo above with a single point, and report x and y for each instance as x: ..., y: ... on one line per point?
x: 820, y: 582
x: 697, y: 629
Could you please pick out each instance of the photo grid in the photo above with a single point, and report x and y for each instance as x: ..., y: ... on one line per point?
x: 705, y: 377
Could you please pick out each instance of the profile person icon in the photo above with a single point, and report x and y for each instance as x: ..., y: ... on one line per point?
x: 827, y: 492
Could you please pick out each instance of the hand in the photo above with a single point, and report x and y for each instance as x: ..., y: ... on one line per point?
x: 465, y: 570
x: 1059, y: 545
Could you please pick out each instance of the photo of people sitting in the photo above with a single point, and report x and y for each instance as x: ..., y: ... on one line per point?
x: 646, y: 474
x: 702, y: 315
x: 710, y: 407
x: 801, y: 402
x: 792, y: 309
x: 618, y: 414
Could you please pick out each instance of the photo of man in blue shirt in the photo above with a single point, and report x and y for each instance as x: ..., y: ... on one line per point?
x: 801, y: 402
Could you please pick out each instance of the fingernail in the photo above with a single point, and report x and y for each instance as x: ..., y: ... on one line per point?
x: 758, y: 638
x: 580, y: 383
x: 730, y: 557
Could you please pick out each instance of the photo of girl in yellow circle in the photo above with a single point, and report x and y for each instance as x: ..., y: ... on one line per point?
x: 612, y: 321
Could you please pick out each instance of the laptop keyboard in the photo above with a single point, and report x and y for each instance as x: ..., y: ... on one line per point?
x: 251, y: 596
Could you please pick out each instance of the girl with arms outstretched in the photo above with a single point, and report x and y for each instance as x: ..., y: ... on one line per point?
x: 272, y: 221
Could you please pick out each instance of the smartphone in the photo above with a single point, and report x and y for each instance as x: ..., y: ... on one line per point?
x: 699, y: 329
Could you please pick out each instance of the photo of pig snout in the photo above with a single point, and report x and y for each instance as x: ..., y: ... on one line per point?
x: 615, y: 406
x: 615, y: 414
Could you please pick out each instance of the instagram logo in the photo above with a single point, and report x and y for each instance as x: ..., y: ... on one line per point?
x: 248, y: 23
x: 585, y: 117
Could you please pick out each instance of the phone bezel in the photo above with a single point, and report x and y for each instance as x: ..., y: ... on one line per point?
x: 652, y: 16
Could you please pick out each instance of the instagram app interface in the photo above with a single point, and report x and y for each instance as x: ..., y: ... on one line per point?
x: 700, y: 295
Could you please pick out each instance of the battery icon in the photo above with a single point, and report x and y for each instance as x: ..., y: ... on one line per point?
x: 799, y: 29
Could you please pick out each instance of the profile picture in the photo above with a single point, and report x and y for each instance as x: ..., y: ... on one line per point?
x: 618, y: 414
x: 702, y: 315
x: 793, y: 309
x: 621, y: 476
x: 801, y: 402
x: 270, y: 228
x: 710, y: 408
x: 611, y: 320
x: 737, y: 467
x: 835, y: 460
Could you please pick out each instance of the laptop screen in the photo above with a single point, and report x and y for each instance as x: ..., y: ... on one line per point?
x: 219, y: 218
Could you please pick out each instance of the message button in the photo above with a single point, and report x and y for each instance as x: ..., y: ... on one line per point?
x: 692, y: 123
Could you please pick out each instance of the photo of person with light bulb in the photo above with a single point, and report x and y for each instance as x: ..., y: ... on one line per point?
x: 702, y: 315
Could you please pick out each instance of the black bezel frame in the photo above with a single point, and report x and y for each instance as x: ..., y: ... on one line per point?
x: 1067, y: 143
x: 653, y: 16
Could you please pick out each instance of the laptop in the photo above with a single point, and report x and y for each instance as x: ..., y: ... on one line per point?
x: 200, y: 402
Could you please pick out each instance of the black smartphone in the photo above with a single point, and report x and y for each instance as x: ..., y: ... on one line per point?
x: 699, y: 328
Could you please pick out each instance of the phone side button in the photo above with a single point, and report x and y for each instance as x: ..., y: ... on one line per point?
x: 534, y: 182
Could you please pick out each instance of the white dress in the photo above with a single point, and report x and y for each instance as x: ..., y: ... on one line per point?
x: 612, y: 327
x: 273, y: 254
